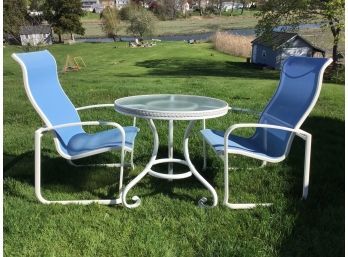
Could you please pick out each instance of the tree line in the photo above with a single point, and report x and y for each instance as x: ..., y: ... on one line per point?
x: 65, y: 16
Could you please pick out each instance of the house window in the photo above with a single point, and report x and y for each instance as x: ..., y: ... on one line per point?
x: 264, y: 53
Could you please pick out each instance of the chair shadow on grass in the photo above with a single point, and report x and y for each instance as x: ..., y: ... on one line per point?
x: 319, y: 226
x: 183, y: 67
x: 57, y: 174
x: 62, y: 177
x: 318, y: 229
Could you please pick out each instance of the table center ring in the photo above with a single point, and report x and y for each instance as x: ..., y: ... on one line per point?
x: 170, y: 176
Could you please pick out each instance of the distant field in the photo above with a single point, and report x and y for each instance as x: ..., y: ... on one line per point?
x: 192, y: 25
x: 321, y: 37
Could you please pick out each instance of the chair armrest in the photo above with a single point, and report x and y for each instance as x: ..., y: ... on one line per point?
x: 299, y: 132
x: 101, y: 106
x: 39, y: 131
x: 94, y: 106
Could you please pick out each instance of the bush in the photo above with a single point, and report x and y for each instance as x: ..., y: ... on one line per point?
x: 335, y: 74
x: 211, y: 10
x: 232, y: 44
x: 165, y: 10
x: 110, y: 22
x: 126, y: 12
x: 142, y: 22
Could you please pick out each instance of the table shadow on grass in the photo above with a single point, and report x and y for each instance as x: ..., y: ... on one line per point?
x: 167, y: 188
x: 179, y: 67
x: 319, y: 227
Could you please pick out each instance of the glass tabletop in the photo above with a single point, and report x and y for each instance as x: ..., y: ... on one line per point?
x: 177, y: 106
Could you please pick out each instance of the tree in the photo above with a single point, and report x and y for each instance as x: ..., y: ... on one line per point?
x: 110, y: 22
x: 244, y: 4
x: 35, y: 16
x: 142, y: 22
x: 36, y: 5
x: 170, y: 8
x: 15, y: 16
x: 64, y: 16
x: 273, y: 13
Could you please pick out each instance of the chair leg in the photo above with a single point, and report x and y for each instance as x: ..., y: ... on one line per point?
x: 132, y: 159
x: 132, y: 152
x: 307, y: 163
x: 38, y: 194
x: 226, y: 194
x: 204, y: 150
x: 121, y: 173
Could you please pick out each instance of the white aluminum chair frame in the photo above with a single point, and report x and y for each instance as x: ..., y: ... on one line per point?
x: 234, y: 109
x: 108, y: 165
x: 38, y: 134
x: 40, y: 131
x: 296, y: 131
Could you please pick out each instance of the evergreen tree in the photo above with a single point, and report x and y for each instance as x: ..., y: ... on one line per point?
x: 15, y: 16
x: 64, y: 16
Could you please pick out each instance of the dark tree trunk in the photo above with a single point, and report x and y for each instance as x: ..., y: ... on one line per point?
x: 336, y: 35
x: 220, y: 7
x: 59, y: 38
x: 335, y: 53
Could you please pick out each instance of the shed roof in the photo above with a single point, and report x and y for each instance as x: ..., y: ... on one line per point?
x: 277, y: 39
x: 38, y: 29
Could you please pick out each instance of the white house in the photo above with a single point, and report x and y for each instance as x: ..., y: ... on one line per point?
x: 121, y: 3
x: 35, y: 35
x: 87, y: 5
x: 185, y: 7
x: 274, y: 49
x: 98, y: 5
x: 228, y: 6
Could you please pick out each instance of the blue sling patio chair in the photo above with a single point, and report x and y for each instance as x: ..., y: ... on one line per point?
x: 295, y: 97
x: 62, y: 119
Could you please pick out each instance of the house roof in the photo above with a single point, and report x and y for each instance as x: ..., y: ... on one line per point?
x: 39, y: 29
x: 277, y: 39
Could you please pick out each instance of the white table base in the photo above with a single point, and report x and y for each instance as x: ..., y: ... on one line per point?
x: 170, y: 160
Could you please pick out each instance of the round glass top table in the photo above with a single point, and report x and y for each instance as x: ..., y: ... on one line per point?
x: 171, y: 107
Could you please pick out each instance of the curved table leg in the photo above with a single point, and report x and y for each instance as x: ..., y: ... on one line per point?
x: 131, y: 184
x: 201, y: 202
x: 170, y: 146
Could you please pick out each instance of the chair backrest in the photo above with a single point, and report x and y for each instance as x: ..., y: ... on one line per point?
x: 297, y: 93
x: 46, y: 94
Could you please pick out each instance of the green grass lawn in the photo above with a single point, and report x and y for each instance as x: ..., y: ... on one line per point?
x: 168, y: 221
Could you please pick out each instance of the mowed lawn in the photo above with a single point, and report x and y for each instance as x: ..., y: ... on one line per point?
x: 168, y: 222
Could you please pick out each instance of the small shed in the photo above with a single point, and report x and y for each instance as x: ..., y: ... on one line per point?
x: 34, y: 35
x: 274, y: 49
